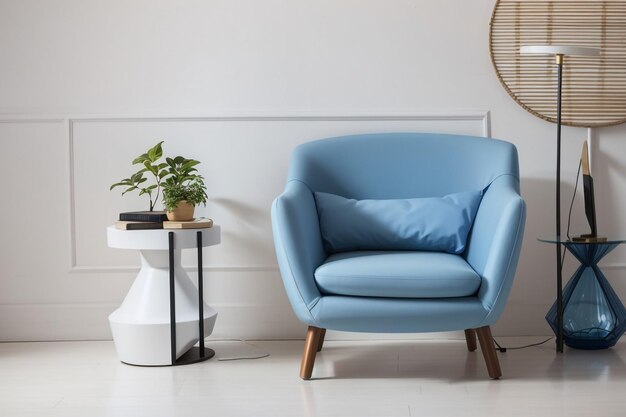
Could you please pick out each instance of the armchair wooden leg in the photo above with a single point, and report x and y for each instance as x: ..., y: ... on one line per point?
x: 321, y: 343
x: 311, y: 345
x: 470, y: 338
x: 489, y: 352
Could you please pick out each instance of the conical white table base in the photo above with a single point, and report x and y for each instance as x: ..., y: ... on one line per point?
x: 141, y: 325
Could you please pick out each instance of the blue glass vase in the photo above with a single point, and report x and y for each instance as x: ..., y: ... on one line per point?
x: 593, y: 315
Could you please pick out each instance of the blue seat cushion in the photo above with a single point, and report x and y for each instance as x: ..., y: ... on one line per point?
x: 397, y: 274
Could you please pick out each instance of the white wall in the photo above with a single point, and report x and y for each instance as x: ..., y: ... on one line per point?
x: 87, y: 85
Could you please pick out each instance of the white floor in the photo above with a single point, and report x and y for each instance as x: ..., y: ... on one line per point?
x: 381, y: 378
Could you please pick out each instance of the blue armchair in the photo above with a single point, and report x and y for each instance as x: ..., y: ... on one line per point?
x: 436, y: 291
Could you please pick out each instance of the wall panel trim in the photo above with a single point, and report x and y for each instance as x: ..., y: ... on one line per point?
x: 482, y: 117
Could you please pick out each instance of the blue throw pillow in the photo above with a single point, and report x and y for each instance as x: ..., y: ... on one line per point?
x: 429, y: 224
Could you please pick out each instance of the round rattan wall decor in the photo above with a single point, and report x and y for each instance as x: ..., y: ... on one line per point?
x: 594, y: 88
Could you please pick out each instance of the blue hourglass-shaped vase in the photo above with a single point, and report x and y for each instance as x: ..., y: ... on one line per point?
x: 593, y: 315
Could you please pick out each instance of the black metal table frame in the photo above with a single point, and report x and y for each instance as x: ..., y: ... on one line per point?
x: 194, y: 354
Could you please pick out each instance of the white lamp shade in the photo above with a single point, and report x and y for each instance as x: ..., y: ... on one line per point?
x: 558, y: 50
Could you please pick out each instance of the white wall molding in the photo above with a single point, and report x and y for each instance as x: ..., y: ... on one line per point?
x: 30, y: 119
x: 481, y: 117
x: 446, y: 114
x: 188, y: 268
x: 72, y: 195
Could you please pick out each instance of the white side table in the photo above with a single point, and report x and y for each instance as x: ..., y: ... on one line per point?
x: 142, y: 326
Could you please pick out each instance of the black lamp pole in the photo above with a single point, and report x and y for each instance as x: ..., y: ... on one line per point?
x: 559, y: 278
x: 559, y: 51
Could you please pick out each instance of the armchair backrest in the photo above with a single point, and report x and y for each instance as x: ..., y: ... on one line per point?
x: 402, y: 165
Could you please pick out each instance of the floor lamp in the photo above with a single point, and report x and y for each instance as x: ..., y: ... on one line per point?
x: 559, y: 51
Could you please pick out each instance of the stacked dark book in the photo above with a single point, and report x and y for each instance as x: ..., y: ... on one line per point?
x: 141, y: 220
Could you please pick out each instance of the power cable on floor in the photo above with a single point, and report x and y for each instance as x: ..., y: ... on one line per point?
x: 503, y: 349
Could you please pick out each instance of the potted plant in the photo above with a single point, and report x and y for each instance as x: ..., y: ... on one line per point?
x: 177, y: 179
x: 183, y: 188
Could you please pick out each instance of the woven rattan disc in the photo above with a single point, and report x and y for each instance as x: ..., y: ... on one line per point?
x: 594, y: 88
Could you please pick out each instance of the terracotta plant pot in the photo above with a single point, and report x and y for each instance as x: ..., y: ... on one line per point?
x: 182, y: 212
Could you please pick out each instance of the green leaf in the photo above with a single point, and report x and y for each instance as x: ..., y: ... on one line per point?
x: 141, y: 159
x: 129, y: 189
x: 123, y: 182
x: 159, y: 150
x: 136, y: 177
x: 155, y: 152
x: 151, y: 168
x: 190, y: 163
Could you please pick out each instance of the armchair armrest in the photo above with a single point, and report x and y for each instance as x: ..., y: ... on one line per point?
x: 495, y: 242
x: 299, y: 247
